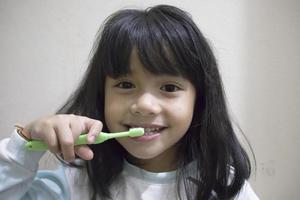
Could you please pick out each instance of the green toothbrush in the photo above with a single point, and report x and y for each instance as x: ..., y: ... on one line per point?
x: 38, y: 145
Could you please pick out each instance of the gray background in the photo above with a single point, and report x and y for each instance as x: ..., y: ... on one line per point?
x: 45, y: 45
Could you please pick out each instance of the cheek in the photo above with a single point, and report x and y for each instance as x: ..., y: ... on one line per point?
x: 183, y: 117
x: 183, y: 112
x: 115, y: 110
x: 184, y: 107
x: 111, y: 110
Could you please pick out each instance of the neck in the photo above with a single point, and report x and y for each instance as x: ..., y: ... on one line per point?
x: 160, y: 163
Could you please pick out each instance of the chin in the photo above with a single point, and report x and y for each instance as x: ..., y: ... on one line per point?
x: 142, y: 155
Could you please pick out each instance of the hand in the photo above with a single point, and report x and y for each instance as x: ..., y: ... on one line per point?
x: 59, y: 132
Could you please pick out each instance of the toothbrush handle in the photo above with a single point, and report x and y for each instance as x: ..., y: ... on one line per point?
x: 38, y: 145
x: 81, y: 140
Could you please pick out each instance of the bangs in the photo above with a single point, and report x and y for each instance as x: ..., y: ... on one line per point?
x: 162, y: 43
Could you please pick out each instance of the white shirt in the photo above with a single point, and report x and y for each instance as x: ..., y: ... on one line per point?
x: 20, y: 179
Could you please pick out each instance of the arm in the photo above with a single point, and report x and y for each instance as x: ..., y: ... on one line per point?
x: 19, y: 176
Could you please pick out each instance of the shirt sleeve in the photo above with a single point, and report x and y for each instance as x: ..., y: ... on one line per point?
x: 246, y: 193
x: 19, y: 175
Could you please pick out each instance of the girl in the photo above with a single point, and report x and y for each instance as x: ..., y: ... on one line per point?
x: 153, y: 69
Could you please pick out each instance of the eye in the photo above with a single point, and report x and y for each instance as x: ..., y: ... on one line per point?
x: 125, y: 85
x: 170, y: 88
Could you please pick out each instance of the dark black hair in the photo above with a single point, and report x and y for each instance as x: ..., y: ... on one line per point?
x: 167, y: 42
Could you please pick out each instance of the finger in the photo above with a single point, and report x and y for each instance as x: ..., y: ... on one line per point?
x: 76, y: 127
x: 38, y: 128
x: 93, y: 127
x: 42, y: 129
x: 51, y: 140
x: 84, y: 152
x: 66, y: 141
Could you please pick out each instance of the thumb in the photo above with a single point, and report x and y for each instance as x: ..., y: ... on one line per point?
x: 92, y: 127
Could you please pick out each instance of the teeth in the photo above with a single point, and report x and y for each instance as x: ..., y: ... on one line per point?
x: 150, y: 131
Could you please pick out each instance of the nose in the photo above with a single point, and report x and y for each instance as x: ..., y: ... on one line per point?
x: 146, y: 105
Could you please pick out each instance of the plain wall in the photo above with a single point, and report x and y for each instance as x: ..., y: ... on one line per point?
x: 45, y: 46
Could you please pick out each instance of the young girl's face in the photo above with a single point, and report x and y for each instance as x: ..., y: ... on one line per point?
x: 162, y: 104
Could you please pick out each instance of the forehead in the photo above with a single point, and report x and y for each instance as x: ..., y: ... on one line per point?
x: 135, y: 64
x: 138, y: 71
x: 138, y: 62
